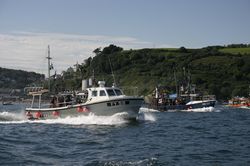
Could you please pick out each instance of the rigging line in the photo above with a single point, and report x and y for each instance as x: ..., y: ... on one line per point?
x: 112, y: 72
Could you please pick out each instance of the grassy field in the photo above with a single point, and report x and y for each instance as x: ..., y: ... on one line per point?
x: 236, y: 50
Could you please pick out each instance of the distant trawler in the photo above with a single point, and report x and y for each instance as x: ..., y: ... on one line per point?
x: 185, y: 98
x: 188, y: 101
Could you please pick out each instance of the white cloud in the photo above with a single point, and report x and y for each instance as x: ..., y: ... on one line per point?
x: 27, y: 50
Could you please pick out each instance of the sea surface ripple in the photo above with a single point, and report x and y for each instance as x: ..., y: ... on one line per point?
x: 218, y: 137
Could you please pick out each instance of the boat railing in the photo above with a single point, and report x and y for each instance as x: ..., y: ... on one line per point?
x: 193, y: 97
x: 61, y: 104
x: 51, y: 105
x: 29, y: 90
x: 208, y: 97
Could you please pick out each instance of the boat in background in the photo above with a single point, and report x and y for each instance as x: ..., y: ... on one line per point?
x: 184, y: 98
x: 239, y: 102
x: 7, y: 103
x: 172, y: 102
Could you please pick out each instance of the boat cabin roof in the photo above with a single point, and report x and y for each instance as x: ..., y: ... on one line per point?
x: 38, y: 93
x: 104, y: 92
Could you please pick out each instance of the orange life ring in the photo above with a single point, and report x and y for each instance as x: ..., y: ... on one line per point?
x: 38, y: 115
x: 82, y: 109
x: 85, y: 109
x: 55, y: 113
x: 79, y: 109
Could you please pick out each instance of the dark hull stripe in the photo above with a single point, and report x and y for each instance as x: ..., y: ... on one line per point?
x: 185, y: 107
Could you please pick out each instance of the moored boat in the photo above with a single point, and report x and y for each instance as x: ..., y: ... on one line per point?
x: 7, y: 103
x: 239, y: 102
x: 184, y: 98
x: 189, y: 101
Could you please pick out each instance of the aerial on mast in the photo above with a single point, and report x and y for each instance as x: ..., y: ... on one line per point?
x: 112, y: 72
x: 49, y: 67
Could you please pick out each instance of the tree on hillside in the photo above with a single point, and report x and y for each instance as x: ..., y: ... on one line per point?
x: 183, y: 49
x: 111, y: 49
x: 97, y: 51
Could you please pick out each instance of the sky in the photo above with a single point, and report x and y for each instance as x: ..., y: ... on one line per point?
x: 74, y: 28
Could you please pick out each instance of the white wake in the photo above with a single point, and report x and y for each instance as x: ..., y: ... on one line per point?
x: 9, y: 116
x: 205, y: 109
x: 146, y: 114
x: 91, y: 119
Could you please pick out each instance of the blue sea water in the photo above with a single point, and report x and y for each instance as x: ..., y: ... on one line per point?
x: 217, y: 137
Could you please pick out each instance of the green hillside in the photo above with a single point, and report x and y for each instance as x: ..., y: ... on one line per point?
x: 18, y: 79
x: 236, y: 50
x: 212, y: 70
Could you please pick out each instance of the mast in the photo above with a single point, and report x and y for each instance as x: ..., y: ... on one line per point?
x: 49, y: 67
x: 249, y: 91
x: 112, y: 72
x: 176, y: 86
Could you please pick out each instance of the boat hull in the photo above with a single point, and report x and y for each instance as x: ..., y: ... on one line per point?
x: 129, y: 106
x: 190, y: 105
x: 201, y: 104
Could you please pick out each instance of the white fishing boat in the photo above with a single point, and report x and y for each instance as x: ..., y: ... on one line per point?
x: 101, y: 100
x: 7, y: 103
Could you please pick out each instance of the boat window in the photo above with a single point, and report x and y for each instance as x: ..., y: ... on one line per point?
x: 126, y: 102
x: 102, y: 93
x: 111, y: 92
x: 118, y: 92
x: 94, y: 93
